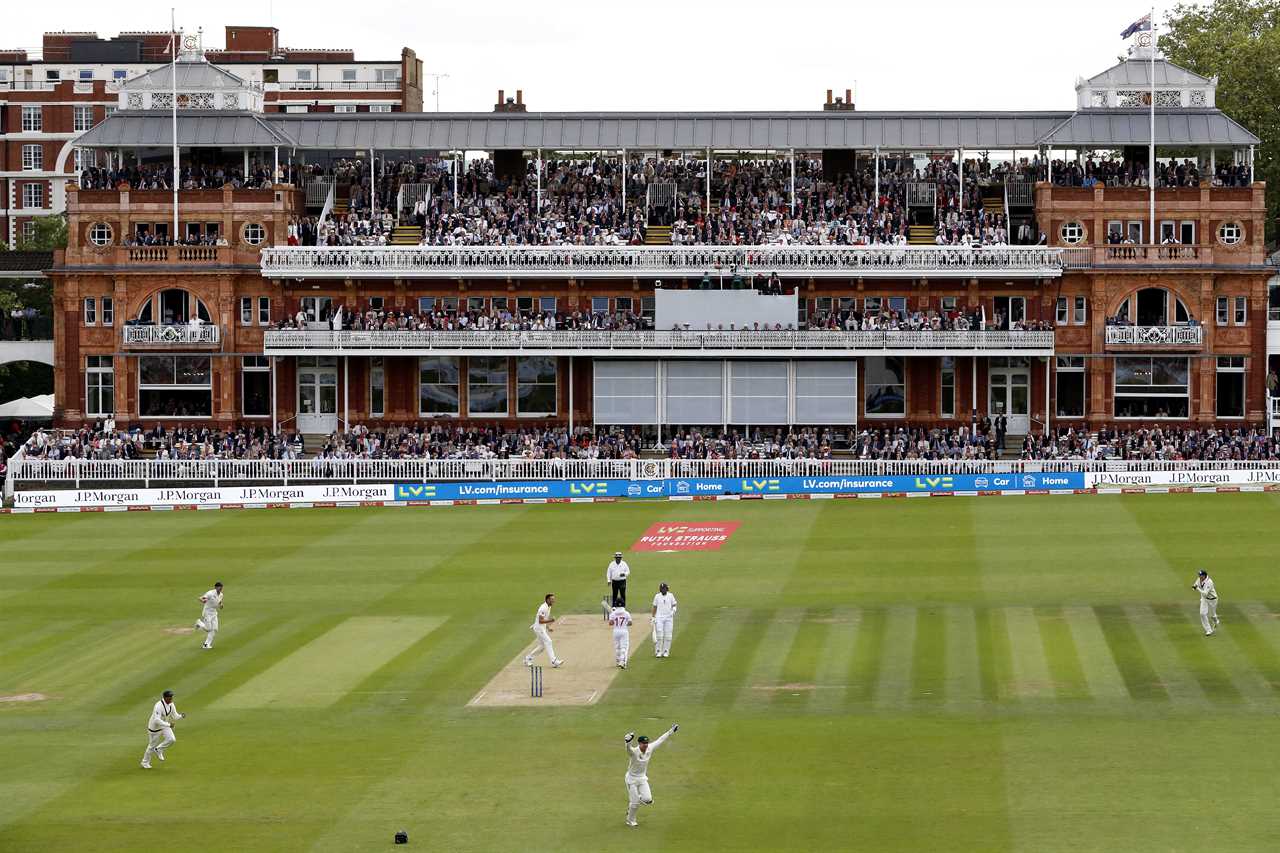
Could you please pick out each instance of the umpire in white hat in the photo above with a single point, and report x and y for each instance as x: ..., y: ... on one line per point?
x: 615, y: 574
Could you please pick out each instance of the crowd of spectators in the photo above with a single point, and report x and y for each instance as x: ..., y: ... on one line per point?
x: 1108, y: 172
x: 192, y: 176
x: 494, y: 319
x: 441, y: 441
x: 1156, y: 443
x: 762, y: 444
x: 257, y: 442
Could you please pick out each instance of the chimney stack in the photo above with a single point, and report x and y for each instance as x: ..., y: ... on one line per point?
x: 510, y: 105
x: 828, y: 97
x: 844, y: 104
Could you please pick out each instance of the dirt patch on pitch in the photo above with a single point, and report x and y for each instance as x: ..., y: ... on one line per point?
x: 585, y: 644
x: 783, y: 688
x: 180, y: 631
x: 24, y: 697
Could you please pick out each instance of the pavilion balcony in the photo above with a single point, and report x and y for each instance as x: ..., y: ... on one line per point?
x: 691, y: 262
x: 1155, y: 336
x: 161, y: 337
x: 741, y: 343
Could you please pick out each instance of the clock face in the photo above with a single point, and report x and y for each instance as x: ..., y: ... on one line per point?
x: 1144, y: 39
x: 189, y: 42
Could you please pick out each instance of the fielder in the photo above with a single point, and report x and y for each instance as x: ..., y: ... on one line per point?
x: 1208, y: 602
x: 637, y: 777
x: 620, y: 620
x: 542, y: 632
x: 160, y: 729
x: 208, y: 621
x: 664, y: 617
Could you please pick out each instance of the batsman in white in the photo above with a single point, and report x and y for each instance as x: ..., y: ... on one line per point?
x: 542, y: 631
x: 1208, y: 602
x: 620, y: 620
x: 160, y: 729
x: 637, y: 777
x: 208, y: 621
x: 664, y: 619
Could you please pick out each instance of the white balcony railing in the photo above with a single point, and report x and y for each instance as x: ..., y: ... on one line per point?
x: 704, y: 343
x: 1155, y: 335
x: 171, y: 335
x: 673, y: 261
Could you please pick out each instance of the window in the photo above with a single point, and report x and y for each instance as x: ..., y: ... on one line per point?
x: 1230, y: 233
x: 253, y: 233
x: 475, y: 303
x: 295, y: 108
x: 32, y: 158
x: 53, y: 75
x: 1223, y: 311
x: 119, y: 74
x: 271, y: 75
x: 1115, y: 231
x: 86, y: 74
x: 547, y: 304
x: 646, y: 307
x: 898, y: 305
x: 255, y: 386
x: 1135, y: 232
x: 344, y: 108
x: 871, y: 305
x: 438, y: 386
x: 1152, y: 387
x: 487, y: 385
x: 316, y: 308
x: 1230, y: 386
x: 1071, y: 379
x: 949, y: 304
x: 599, y: 305
x: 29, y: 229
x: 304, y: 75
x: 1187, y: 232
x: 32, y: 195
x: 1153, y: 305
x: 246, y: 310
x: 1240, y: 313
x: 449, y: 304
x: 524, y: 304
x: 822, y: 306
x: 886, y: 395
x: 376, y: 303
x: 947, y: 382
x: 83, y: 118
x: 377, y: 388
x: 1009, y: 310
x: 500, y: 304
x: 426, y: 304
x: 536, y: 386
x: 348, y: 75
x: 264, y: 310
x: 32, y: 120
x: 108, y: 311
x: 1273, y: 299
x: 1060, y: 312
x: 1072, y: 232
x: 1080, y: 312
x: 624, y: 304
x: 99, y: 386
x: 388, y: 75
x: 1168, y: 231
x: 172, y: 386
x: 379, y: 108
x: 90, y: 311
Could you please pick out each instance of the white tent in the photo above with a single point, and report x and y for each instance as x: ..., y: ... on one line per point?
x: 35, y: 408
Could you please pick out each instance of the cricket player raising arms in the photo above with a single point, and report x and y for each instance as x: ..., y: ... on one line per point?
x: 637, y: 777
x: 620, y: 620
x: 208, y: 621
x: 160, y: 729
x: 542, y: 631
x: 664, y: 617
x: 1208, y: 602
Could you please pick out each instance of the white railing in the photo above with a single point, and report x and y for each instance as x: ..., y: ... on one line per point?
x: 922, y: 194
x: 1155, y: 335
x: 1019, y: 192
x: 674, y: 261
x: 1273, y: 414
x: 294, y: 341
x: 171, y: 335
x: 149, y: 471
x: 317, y: 190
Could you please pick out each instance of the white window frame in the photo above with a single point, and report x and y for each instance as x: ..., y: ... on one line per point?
x: 1062, y: 312
x: 246, y: 310
x: 89, y: 311
x: 1072, y: 232
x: 32, y: 119
x: 349, y: 75
x: 253, y: 234
x: 101, y: 234
x: 33, y: 196
x: 303, y: 75
x: 175, y: 386
x: 1117, y: 396
x: 379, y: 108
x: 1231, y: 233
x: 1222, y: 311
x: 344, y: 108
x: 264, y: 310
x: 1072, y: 365
x: 506, y: 386
x: 295, y: 108
x: 82, y: 118
x: 33, y: 158
x: 1080, y: 310
x: 108, y: 313
x: 1231, y: 365
x: 254, y: 364
x: 95, y: 370
x: 457, y: 386
x: 1240, y: 310
x: 555, y: 384
x: 85, y: 75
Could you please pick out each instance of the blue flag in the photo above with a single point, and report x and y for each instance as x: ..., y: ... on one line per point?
x: 1141, y: 25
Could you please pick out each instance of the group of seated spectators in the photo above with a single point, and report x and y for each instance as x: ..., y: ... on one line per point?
x: 159, y: 176
x: 888, y: 319
x: 1108, y: 172
x: 494, y: 319
x: 257, y: 442
x: 1156, y: 443
x: 441, y: 441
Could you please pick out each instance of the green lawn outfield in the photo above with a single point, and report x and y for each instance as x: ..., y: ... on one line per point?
x: 960, y: 674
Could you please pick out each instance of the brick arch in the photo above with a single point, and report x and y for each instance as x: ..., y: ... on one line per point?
x: 1179, y: 291
x: 137, y: 300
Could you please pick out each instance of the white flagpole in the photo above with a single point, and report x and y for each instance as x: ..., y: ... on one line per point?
x: 1151, y: 151
x: 173, y: 68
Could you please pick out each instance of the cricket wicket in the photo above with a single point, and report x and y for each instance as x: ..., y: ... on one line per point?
x: 535, y: 682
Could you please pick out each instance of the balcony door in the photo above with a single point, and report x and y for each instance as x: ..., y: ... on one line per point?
x: 1009, y: 393
x: 317, y: 396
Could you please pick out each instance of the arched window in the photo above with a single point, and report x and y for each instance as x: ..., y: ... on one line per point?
x: 173, y: 307
x: 1155, y: 306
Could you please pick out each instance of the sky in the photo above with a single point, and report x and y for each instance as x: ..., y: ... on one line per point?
x: 573, y: 55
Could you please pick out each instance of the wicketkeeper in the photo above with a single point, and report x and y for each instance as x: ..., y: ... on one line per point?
x: 637, y: 777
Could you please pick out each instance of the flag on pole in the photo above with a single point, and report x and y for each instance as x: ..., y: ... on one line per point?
x: 1141, y: 25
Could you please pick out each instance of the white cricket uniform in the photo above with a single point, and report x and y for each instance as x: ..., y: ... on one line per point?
x: 637, y: 776
x: 160, y: 730
x: 664, y: 620
x: 619, y: 619
x: 212, y: 601
x: 542, y: 636
x: 1208, y: 604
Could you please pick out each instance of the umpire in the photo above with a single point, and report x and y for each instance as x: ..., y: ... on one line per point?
x: 616, y: 576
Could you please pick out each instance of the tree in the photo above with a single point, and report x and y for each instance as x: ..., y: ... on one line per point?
x: 50, y: 233
x: 1239, y: 42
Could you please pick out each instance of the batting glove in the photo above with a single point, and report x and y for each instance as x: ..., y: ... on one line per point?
x: 675, y: 727
x: 629, y: 737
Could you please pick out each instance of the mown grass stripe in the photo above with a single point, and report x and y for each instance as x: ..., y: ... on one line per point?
x: 1102, y: 675
x: 698, y: 654
x: 894, y: 688
x: 1065, y: 670
x: 1265, y: 617
x: 1193, y: 650
x: 106, y: 649
x: 1242, y: 630
x: 40, y: 647
x: 995, y: 665
x: 836, y: 658
x: 864, y: 665
x: 963, y: 680
x: 1140, y: 677
x: 800, y: 668
x: 929, y: 655
x: 732, y: 671
x: 1178, y: 678
x: 1026, y: 650
x: 764, y: 671
x: 301, y: 633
